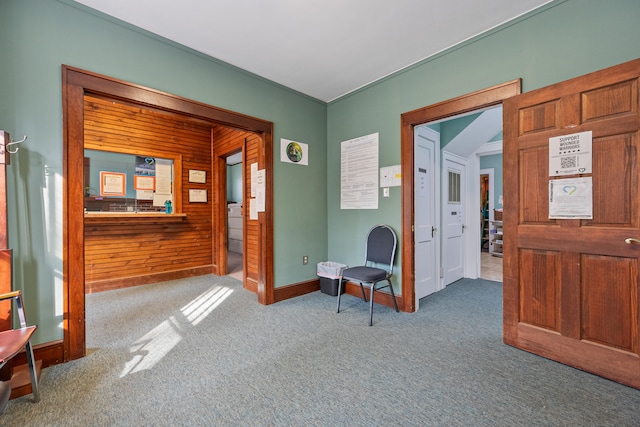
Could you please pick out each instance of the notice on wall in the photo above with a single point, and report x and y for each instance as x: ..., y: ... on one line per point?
x: 391, y: 176
x: 571, y: 198
x: 570, y: 154
x: 359, y: 173
x: 164, y: 173
x: 253, y: 209
x: 254, y: 178
x: 261, y: 192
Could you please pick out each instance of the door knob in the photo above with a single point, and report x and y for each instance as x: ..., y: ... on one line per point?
x: 630, y: 241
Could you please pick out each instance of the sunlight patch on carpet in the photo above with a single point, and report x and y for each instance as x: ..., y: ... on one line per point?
x: 200, y: 307
x: 152, y: 347
x: 158, y: 342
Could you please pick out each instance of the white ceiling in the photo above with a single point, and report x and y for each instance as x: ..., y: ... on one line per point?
x: 322, y: 48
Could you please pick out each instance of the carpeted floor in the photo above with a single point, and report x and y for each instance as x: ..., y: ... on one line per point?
x: 203, y: 352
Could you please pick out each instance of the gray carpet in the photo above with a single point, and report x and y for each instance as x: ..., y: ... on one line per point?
x: 203, y: 352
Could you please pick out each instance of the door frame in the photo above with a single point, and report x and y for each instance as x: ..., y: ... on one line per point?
x: 75, y: 83
x: 463, y: 104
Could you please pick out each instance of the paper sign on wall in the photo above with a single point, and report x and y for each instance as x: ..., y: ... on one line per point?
x: 570, y: 154
x: 391, y: 176
x: 359, y: 173
x: 571, y: 198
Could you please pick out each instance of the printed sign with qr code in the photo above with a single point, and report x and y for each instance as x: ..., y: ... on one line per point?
x: 570, y: 154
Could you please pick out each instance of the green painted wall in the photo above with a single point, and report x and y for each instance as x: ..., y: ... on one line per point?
x: 564, y: 40
x: 36, y: 38
x: 234, y: 183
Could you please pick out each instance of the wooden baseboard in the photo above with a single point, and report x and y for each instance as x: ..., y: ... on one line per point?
x: 126, y: 282
x: 295, y: 290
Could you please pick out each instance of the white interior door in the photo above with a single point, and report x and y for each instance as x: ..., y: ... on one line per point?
x: 426, y: 251
x: 454, y: 178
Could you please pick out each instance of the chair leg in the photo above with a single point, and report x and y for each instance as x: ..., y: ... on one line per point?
x: 393, y: 296
x: 373, y: 289
x: 32, y: 372
x: 364, y: 296
x: 339, y: 293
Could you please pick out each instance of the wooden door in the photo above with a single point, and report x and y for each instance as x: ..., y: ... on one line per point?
x: 571, y: 289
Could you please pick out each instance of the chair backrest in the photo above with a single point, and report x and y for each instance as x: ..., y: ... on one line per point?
x: 381, y: 246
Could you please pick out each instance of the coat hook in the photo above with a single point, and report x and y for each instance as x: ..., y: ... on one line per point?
x: 24, y: 138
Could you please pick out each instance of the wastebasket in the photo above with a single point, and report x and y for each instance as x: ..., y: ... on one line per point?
x: 330, y: 274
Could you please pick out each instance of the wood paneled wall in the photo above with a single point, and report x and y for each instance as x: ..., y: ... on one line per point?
x: 127, y: 254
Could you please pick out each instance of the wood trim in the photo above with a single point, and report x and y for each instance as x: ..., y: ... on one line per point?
x: 105, y: 285
x: 75, y: 84
x: 131, y: 218
x: 466, y: 103
x: 295, y: 290
x: 220, y: 234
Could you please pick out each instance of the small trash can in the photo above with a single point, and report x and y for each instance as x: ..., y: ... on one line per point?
x: 330, y: 274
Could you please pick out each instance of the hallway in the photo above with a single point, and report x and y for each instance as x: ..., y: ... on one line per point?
x: 490, y: 267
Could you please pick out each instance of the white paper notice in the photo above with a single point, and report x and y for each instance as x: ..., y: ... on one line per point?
x: 391, y: 176
x: 570, y: 154
x: 359, y: 173
x: 159, y: 199
x: 261, y: 176
x: 254, y: 178
x: 571, y: 198
x: 163, y: 176
x: 253, y: 211
x: 144, y: 194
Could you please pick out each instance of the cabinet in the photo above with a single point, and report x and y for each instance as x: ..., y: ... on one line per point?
x: 495, y: 242
x: 234, y: 218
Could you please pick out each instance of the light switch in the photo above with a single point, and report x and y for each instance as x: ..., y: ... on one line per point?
x: 385, y: 191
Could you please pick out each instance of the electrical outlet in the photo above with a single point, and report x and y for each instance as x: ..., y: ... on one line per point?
x: 305, y: 260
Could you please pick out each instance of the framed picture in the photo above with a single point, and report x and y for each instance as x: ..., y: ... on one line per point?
x: 197, y: 176
x: 197, y: 196
x: 113, y: 184
x: 142, y: 182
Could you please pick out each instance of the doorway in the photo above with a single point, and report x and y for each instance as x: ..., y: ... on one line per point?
x: 235, y: 223
x: 482, y: 99
x: 486, y: 193
x: 469, y: 140
x: 258, y: 137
